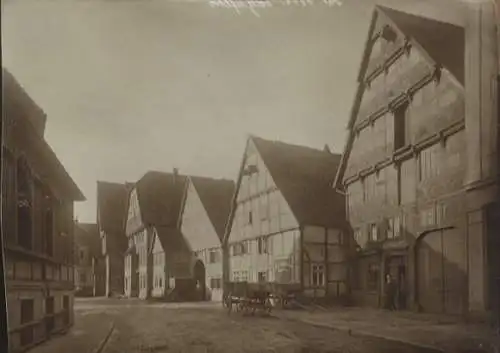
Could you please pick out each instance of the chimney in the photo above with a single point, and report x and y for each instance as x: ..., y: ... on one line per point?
x: 326, y: 148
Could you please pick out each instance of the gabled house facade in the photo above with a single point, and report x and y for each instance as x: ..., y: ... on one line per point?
x: 405, y: 168
x: 172, y: 264
x: 286, y: 224
x: 37, y: 197
x: 112, y: 202
x: 203, y: 220
x: 90, y: 267
x: 153, y: 211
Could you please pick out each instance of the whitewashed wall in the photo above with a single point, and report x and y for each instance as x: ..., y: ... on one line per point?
x: 271, y: 217
x: 202, y: 238
x: 160, y: 283
x: 134, y: 219
x: 141, y: 240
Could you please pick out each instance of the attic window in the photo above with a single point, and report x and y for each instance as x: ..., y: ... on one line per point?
x: 399, y: 126
x: 250, y: 169
x: 388, y: 34
x: 250, y: 217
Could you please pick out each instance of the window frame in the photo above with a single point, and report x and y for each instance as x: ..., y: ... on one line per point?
x: 373, y: 227
x: 400, y: 114
x: 318, y: 275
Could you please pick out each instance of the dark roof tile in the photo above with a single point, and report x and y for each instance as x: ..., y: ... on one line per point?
x: 112, y: 202
x: 215, y: 195
x: 304, y: 176
x: 160, y: 196
x: 87, y: 234
x: 444, y: 42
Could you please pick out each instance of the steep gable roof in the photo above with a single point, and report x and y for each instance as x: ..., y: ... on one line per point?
x: 171, y: 240
x: 304, y: 175
x: 87, y: 234
x: 112, y: 201
x: 441, y: 42
x: 160, y: 197
x: 215, y: 195
x: 30, y: 120
x: 17, y: 101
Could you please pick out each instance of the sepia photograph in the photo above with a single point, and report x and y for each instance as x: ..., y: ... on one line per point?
x: 250, y: 176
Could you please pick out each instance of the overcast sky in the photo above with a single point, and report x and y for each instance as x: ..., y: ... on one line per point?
x: 130, y: 86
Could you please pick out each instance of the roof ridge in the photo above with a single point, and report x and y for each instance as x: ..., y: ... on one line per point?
x: 210, y: 178
x: 389, y: 9
x: 278, y: 142
x: 110, y: 182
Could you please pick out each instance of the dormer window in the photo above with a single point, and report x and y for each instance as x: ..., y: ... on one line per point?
x: 388, y: 34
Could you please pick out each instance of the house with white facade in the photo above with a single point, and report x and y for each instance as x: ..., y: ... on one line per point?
x: 287, y: 225
x: 154, y: 205
x: 203, y: 220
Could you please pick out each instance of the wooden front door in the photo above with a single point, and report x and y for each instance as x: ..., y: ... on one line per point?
x: 396, y: 267
x: 493, y: 251
x: 441, y: 272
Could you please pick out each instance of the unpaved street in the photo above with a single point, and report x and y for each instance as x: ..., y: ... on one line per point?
x: 136, y: 327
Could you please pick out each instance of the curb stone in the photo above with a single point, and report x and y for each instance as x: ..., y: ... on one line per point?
x: 352, y: 332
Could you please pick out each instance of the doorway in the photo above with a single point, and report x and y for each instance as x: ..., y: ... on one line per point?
x: 199, y: 277
x: 441, y: 272
x: 396, y: 267
x: 493, y: 249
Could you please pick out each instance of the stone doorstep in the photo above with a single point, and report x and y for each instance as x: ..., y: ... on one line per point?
x: 368, y: 333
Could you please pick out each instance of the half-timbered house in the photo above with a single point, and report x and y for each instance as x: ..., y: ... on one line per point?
x: 203, y: 219
x: 408, y: 158
x: 286, y: 224
x: 90, y: 266
x: 112, y: 201
x: 153, y: 212
x: 37, y: 224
